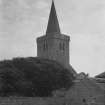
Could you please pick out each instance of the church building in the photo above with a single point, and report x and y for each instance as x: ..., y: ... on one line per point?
x: 54, y: 45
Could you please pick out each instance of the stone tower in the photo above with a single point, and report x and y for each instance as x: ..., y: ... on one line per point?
x: 54, y: 45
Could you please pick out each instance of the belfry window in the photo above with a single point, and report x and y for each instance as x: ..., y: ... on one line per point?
x: 62, y: 46
x: 45, y: 46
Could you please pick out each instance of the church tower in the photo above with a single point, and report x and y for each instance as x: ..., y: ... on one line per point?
x: 54, y: 45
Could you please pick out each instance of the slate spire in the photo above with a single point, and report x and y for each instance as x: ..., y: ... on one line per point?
x: 53, y: 24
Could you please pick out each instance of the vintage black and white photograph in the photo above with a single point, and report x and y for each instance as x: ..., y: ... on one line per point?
x: 52, y: 52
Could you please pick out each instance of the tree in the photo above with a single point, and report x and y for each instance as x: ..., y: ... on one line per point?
x: 33, y: 77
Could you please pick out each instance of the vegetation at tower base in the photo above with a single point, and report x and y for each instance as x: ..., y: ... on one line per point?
x: 32, y: 77
x: 102, y: 75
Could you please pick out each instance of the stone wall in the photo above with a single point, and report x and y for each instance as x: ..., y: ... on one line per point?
x: 30, y: 101
x: 54, y: 47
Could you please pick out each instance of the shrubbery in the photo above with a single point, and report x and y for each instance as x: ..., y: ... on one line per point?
x: 102, y: 75
x: 32, y: 77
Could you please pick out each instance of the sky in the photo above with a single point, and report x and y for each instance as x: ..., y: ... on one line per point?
x: 22, y: 21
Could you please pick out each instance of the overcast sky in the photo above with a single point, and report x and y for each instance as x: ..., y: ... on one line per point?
x: 21, y: 21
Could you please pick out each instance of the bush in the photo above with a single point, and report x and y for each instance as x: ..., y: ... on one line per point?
x: 102, y: 75
x: 32, y: 77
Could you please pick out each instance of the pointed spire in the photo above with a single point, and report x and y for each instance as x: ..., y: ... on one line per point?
x: 53, y: 24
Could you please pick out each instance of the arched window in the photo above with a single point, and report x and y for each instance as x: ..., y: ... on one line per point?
x: 62, y: 46
x: 45, y: 46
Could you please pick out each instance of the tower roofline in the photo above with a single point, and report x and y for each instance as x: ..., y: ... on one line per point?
x: 53, y: 24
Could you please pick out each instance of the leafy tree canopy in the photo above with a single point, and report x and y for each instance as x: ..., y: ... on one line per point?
x: 32, y: 77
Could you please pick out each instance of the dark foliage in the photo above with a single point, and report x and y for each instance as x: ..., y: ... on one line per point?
x: 102, y: 75
x: 32, y: 77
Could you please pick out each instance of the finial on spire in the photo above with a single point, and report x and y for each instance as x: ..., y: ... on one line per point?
x: 53, y: 24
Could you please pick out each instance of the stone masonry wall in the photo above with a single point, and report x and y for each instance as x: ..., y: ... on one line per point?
x: 30, y: 101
